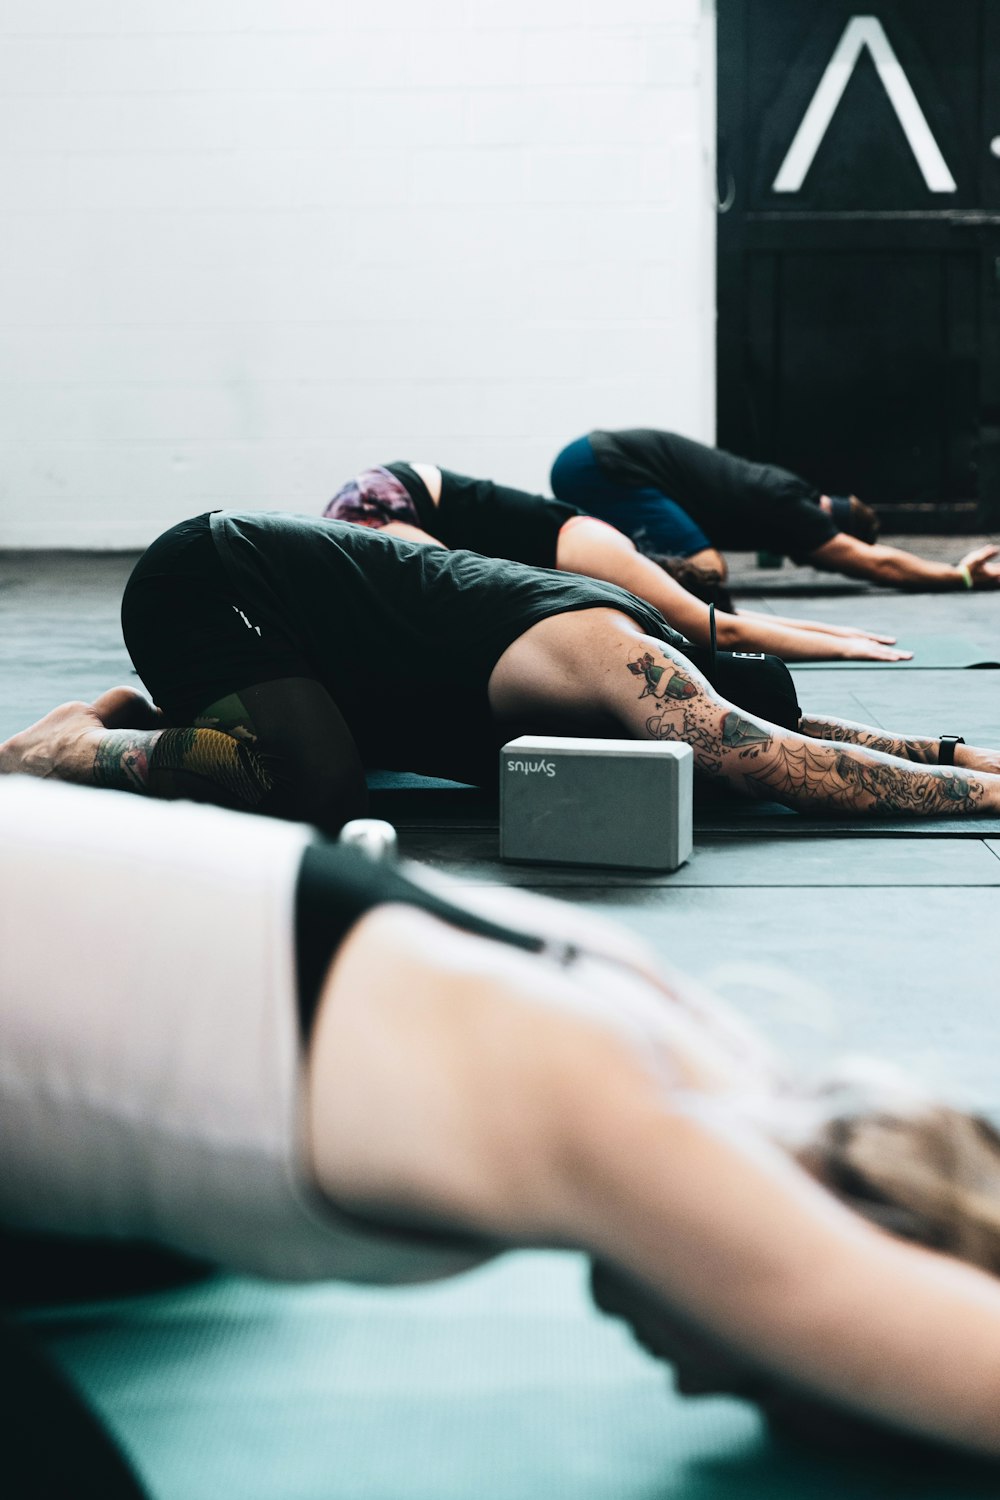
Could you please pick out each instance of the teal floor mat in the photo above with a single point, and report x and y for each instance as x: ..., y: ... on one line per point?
x: 502, y: 1385
x: 929, y: 652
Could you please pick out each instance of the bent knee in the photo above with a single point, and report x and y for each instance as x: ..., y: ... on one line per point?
x: 303, y: 790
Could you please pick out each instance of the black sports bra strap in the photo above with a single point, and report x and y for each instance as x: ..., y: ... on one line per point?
x: 338, y: 884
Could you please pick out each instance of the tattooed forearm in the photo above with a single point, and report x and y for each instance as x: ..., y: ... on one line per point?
x: 121, y: 759
x: 805, y: 776
x: 894, y: 789
x: 923, y: 751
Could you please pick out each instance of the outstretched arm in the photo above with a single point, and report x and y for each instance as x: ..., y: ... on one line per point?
x: 765, y: 1261
x: 530, y: 1112
x: 590, y: 547
x: 821, y: 627
x: 900, y: 569
x: 763, y: 760
x: 670, y: 700
x: 597, y: 665
x: 923, y: 749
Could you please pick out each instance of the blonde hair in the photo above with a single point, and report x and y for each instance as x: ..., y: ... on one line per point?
x: 928, y: 1173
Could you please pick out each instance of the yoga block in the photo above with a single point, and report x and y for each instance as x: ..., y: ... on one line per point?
x: 574, y: 801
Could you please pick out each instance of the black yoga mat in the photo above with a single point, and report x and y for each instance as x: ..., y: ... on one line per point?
x: 410, y: 801
x: 770, y: 818
x: 930, y: 653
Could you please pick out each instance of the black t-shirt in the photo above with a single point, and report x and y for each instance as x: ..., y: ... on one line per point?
x: 736, y: 503
x: 489, y: 518
x: 403, y: 635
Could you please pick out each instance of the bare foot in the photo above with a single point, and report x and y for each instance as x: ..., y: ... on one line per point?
x: 124, y: 708
x: 62, y: 745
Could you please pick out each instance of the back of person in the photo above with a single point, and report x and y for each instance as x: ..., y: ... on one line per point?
x: 475, y: 514
x: 404, y: 636
x: 737, y: 503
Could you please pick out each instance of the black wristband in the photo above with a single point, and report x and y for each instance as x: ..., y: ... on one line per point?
x: 946, y: 748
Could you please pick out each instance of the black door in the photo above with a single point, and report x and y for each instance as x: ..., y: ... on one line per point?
x: 859, y: 249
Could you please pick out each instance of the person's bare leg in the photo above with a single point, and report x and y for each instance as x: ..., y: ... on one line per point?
x: 455, y: 1082
x: 599, y: 661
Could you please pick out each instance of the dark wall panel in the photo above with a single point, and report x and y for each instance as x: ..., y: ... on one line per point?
x: 858, y: 313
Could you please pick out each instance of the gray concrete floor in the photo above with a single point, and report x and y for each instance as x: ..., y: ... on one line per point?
x: 831, y: 943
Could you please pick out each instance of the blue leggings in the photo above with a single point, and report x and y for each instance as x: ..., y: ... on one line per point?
x: 645, y: 514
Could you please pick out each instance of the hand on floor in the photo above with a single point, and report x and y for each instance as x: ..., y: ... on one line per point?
x: 871, y: 648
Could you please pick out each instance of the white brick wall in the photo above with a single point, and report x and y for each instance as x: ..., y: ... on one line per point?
x: 249, y: 246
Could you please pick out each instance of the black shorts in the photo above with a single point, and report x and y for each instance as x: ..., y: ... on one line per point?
x: 186, y: 631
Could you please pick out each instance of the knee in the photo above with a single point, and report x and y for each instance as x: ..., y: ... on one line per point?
x: 309, y: 789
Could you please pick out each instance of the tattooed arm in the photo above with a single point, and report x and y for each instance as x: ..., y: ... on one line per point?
x: 919, y: 748
x: 923, y: 749
x: 762, y: 760
x: 809, y: 774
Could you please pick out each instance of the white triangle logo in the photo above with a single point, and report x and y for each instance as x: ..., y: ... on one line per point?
x: 860, y: 32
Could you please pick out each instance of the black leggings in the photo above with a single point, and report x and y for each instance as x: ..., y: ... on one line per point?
x: 220, y: 678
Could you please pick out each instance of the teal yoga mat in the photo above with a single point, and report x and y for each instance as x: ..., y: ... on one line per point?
x: 930, y: 652
x: 504, y: 1384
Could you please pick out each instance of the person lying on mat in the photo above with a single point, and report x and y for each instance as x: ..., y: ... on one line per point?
x: 689, y: 503
x: 421, y: 502
x: 287, y: 654
x: 304, y: 1064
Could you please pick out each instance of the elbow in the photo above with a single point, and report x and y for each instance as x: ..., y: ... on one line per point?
x: 887, y: 570
x: 730, y: 633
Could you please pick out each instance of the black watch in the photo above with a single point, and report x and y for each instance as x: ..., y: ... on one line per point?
x: 946, y: 748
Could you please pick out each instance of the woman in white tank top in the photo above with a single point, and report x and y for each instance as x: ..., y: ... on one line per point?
x: 505, y: 1075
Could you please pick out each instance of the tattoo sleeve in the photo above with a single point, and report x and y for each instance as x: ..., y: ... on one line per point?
x: 832, y: 764
x: 809, y: 775
x: 121, y: 759
x: 920, y: 749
